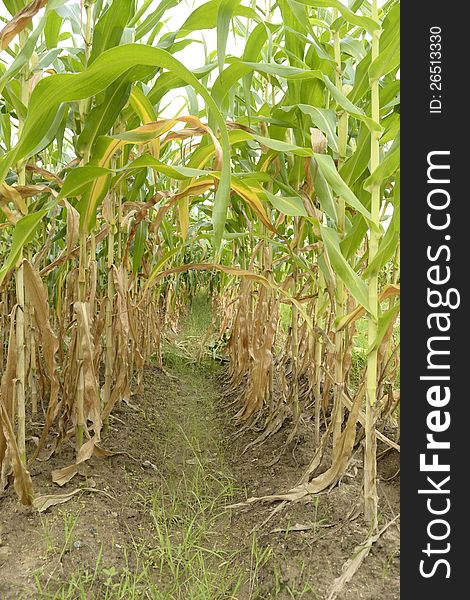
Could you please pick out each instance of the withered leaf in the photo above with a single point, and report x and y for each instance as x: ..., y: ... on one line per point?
x: 20, y: 21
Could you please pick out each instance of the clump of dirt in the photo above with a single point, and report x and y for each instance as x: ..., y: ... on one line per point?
x: 152, y: 521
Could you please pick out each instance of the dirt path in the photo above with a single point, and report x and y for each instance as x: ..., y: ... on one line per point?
x: 152, y: 522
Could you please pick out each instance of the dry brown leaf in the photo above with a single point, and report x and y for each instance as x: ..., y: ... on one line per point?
x: 22, y: 479
x: 42, y: 503
x: 7, y: 388
x: 89, y: 448
x: 24, y: 191
x: 73, y: 222
x: 20, y: 21
x: 318, y: 456
x: 318, y: 140
x: 91, y: 398
x: 362, y: 419
x: 64, y: 475
x: 44, y: 173
x: 123, y: 328
x: 12, y: 194
x: 37, y: 296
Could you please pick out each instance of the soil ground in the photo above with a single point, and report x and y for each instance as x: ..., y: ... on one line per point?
x: 152, y: 522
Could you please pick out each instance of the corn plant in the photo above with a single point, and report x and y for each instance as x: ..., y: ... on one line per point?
x: 266, y: 174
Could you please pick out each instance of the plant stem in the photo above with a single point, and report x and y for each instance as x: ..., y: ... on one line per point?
x: 109, y: 306
x: 370, y: 462
x: 83, y: 256
x: 318, y: 351
x: 20, y: 293
x: 340, y: 293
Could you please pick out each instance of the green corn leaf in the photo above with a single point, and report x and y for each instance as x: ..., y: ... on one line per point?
x: 78, y: 179
x: 361, y: 80
x: 142, y: 105
x: 139, y: 246
x: 14, y: 6
x: 109, y: 29
x: 386, y: 168
x: 328, y: 169
x: 23, y: 232
x: 356, y: 164
x: 325, y: 120
x: 52, y: 29
x: 388, y: 246
x: 342, y: 268
x: 206, y: 16
x: 325, y: 196
x: 389, y: 55
x: 102, y: 117
x: 152, y: 20
x: 352, y: 17
x: 224, y: 16
x: 349, y: 107
x: 280, y: 146
x: 385, y: 321
x: 173, y: 171
x: 291, y: 206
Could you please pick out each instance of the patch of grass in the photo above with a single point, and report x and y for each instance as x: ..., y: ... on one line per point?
x: 388, y: 562
x: 184, y: 516
x: 106, y: 583
x: 199, y: 317
x: 47, y: 536
x: 197, y: 344
x: 259, y: 557
x: 318, y: 520
x: 189, y: 507
x: 185, y: 561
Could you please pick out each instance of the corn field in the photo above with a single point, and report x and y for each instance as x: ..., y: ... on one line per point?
x: 150, y: 150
